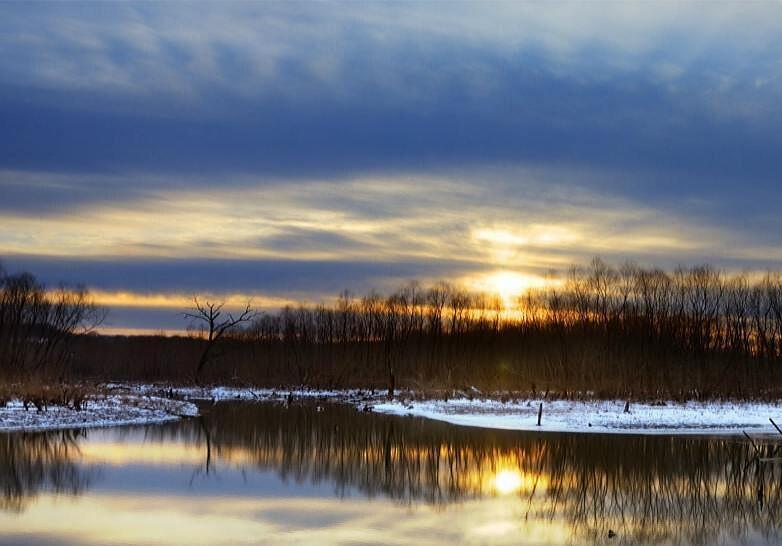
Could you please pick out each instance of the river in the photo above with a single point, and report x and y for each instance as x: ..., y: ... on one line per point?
x: 309, y: 474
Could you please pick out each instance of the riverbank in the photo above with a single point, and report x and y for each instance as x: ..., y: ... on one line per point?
x: 125, y: 404
x: 599, y: 416
x: 96, y: 411
x: 502, y: 411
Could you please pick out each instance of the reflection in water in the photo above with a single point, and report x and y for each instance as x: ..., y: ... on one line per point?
x: 649, y: 490
x: 30, y: 463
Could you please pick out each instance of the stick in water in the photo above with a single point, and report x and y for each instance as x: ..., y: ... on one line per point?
x: 751, y: 442
x: 540, y: 412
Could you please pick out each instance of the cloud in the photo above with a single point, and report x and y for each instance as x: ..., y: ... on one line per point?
x: 299, y: 90
x: 252, y: 49
x: 533, y: 219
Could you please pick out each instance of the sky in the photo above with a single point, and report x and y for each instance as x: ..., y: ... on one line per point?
x: 283, y: 152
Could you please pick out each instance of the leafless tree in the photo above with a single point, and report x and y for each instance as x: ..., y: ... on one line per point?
x: 216, y: 325
x: 38, y: 325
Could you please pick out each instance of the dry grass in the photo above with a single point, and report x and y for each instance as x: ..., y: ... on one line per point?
x: 38, y: 394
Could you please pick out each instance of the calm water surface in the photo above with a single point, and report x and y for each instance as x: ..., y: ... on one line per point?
x: 269, y: 474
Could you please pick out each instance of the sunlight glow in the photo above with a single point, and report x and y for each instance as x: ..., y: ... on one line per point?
x: 184, y: 301
x: 533, y: 234
x: 507, y: 481
x: 509, y: 285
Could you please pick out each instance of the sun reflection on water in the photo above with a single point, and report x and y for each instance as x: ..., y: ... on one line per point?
x: 508, y: 481
x: 294, y: 475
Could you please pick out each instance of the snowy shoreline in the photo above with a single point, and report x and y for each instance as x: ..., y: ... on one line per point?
x: 98, y: 411
x: 128, y: 404
x: 606, y: 417
x: 585, y: 416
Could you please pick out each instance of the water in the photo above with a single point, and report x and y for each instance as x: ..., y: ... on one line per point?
x: 268, y: 474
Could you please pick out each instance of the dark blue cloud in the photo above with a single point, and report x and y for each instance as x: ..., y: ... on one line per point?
x: 415, y: 102
x: 543, y: 120
x: 274, y: 277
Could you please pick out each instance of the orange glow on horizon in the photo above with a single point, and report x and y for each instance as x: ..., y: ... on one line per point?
x: 509, y: 285
x: 181, y: 301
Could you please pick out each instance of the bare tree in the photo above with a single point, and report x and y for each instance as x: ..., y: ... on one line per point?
x: 216, y: 325
x: 38, y: 325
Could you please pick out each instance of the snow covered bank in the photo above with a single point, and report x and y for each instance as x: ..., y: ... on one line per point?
x: 558, y: 415
x: 598, y: 416
x: 218, y: 394
x: 99, y: 411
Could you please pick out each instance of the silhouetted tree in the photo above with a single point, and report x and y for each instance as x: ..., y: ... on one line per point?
x: 38, y: 325
x: 216, y: 325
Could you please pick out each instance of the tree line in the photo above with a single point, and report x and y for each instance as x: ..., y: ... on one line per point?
x: 600, y: 330
x: 693, y: 331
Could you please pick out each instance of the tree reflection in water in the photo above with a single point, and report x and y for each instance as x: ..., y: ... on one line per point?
x: 42, y: 461
x: 648, y: 489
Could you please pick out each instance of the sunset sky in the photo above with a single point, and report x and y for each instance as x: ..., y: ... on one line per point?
x: 286, y: 151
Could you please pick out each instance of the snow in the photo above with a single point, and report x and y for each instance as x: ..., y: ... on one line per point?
x: 221, y: 393
x: 99, y: 411
x: 589, y: 416
x: 597, y: 416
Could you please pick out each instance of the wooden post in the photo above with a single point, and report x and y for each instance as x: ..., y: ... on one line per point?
x: 540, y: 412
x: 627, y: 407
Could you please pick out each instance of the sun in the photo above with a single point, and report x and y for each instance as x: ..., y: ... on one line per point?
x: 509, y: 285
